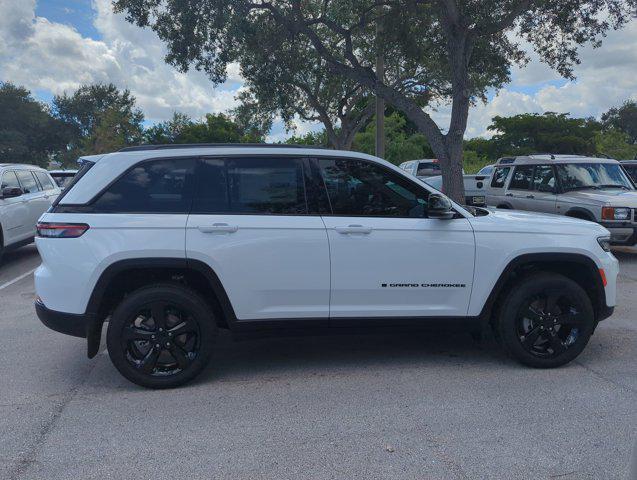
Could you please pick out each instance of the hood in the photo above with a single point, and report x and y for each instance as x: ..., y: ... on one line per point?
x: 534, y: 223
x: 614, y: 197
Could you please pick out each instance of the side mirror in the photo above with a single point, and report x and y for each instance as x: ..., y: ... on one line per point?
x: 439, y: 206
x: 12, y: 192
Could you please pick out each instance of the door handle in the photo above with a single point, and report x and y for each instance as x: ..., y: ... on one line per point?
x: 218, y: 228
x: 354, y: 229
x: 530, y: 196
x: 509, y: 194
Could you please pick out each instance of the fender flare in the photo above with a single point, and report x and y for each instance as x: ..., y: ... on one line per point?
x: 96, y: 318
x: 582, y: 211
x: 533, y: 258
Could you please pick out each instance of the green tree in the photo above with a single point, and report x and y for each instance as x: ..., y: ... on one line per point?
x: 28, y: 132
x: 453, y: 50
x: 168, y: 131
x: 402, y: 145
x: 284, y: 77
x: 615, y: 144
x: 624, y: 119
x: 84, y: 109
x: 547, y: 133
x: 214, y: 128
x: 113, y: 129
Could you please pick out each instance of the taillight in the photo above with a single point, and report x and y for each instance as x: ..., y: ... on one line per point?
x: 61, y: 230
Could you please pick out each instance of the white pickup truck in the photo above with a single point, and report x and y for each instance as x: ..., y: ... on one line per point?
x: 474, y: 185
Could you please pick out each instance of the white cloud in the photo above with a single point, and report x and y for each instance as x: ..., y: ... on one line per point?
x: 43, y: 55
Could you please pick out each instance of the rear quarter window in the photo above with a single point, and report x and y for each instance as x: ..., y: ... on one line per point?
x: 156, y: 186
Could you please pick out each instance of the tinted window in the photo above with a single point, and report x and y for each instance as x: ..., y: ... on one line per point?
x: 29, y: 185
x: 500, y: 177
x: 428, y: 168
x: 522, y: 178
x: 358, y: 188
x: 9, y: 180
x: 544, y: 179
x: 271, y: 186
x: 45, y: 180
x: 159, y: 186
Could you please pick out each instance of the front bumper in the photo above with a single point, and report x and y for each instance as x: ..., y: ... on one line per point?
x: 67, y: 323
x: 621, y: 233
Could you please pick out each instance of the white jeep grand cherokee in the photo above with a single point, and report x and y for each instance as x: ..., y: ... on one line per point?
x: 171, y: 243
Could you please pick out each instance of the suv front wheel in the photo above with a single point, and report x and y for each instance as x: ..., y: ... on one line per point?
x: 161, y: 336
x: 545, y: 321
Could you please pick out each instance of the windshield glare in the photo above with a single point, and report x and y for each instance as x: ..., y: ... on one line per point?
x: 594, y: 175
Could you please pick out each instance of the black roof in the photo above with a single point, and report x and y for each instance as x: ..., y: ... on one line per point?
x: 141, y: 148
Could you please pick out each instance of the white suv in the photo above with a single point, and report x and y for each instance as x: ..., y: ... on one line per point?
x: 26, y: 192
x: 172, y: 243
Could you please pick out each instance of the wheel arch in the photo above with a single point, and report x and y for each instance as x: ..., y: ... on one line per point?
x: 580, y: 212
x: 124, y: 276
x: 578, y: 267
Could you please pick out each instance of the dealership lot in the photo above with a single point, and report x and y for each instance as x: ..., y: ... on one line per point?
x: 426, y: 405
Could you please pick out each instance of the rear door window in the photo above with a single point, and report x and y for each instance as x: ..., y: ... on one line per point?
x: 522, y: 178
x: 27, y: 181
x: 259, y: 186
x: 157, y: 186
x: 500, y: 176
x: 45, y: 180
x: 544, y: 179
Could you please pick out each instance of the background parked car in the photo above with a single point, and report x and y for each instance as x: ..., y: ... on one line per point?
x: 594, y: 189
x: 474, y: 188
x: 62, y: 177
x: 26, y: 192
x: 423, y: 168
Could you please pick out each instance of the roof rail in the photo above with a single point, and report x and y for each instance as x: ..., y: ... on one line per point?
x: 141, y: 148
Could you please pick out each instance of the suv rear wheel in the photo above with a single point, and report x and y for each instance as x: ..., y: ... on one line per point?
x: 545, y: 321
x: 161, y: 336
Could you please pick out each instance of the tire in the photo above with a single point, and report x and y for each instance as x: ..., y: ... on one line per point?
x: 167, y: 352
x: 545, y: 321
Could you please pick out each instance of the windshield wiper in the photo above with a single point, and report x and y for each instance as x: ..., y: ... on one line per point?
x: 613, y: 185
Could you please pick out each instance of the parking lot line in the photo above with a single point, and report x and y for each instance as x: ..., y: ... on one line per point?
x: 17, y: 279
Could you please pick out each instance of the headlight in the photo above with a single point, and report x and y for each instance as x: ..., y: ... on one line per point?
x: 604, y: 242
x: 615, y: 213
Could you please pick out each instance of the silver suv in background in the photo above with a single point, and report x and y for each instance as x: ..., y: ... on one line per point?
x: 594, y: 189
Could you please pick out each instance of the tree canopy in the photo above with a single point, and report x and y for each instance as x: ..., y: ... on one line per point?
x: 624, y: 119
x: 28, y: 132
x: 441, y: 50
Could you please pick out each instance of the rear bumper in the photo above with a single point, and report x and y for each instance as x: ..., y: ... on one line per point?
x: 67, y: 323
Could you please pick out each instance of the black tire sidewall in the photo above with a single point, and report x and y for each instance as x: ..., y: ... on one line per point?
x: 179, y: 296
x: 534, y: 285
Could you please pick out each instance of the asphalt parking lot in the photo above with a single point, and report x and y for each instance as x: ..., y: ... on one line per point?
x: 413, y: 406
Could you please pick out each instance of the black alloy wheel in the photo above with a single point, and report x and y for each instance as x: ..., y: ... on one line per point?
x: 549, y: 324
x: 545, y: 320
x: 161, y: 339
x: 161, y: 336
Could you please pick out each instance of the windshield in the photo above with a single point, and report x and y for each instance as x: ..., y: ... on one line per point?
x: 592, y: 175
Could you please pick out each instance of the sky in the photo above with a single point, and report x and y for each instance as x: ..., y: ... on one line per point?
x: 54, y: 46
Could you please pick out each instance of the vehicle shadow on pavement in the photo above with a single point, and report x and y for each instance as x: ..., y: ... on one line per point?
x: 15, y: 257
x: 255, y: 359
